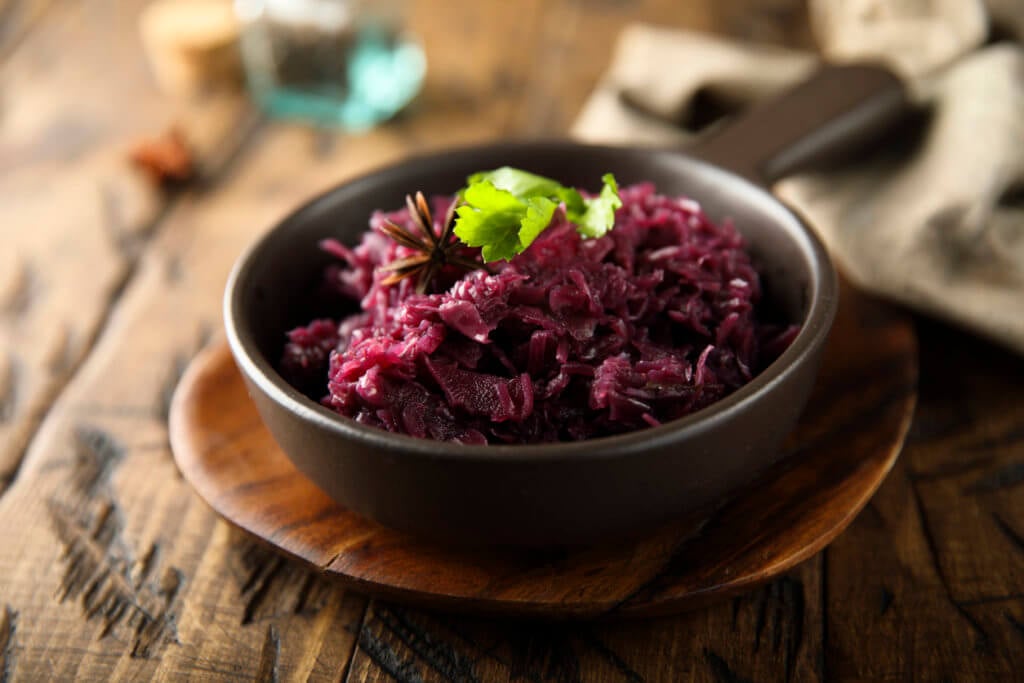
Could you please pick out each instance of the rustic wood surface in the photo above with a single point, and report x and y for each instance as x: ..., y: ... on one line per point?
x: 840, y: 453
x: 112, y: 568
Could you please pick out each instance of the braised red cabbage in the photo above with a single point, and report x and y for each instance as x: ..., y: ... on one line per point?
x: 573, y: 339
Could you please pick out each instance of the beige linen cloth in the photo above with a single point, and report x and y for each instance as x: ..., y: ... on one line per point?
x: 936, y: 223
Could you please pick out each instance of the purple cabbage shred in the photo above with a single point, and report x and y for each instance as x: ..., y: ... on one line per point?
x: 573, y: 339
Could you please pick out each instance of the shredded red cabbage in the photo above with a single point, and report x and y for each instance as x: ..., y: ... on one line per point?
x: 573, y: 339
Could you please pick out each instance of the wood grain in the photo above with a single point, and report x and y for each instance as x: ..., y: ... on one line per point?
x: 931, y: 578
x: 840, y: 454
x: 64, y: 138
x: 17, y: 19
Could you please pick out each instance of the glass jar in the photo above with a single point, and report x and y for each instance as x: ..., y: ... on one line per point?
x: 338, y: 62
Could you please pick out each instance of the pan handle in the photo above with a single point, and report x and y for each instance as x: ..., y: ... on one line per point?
x: 835, y: 111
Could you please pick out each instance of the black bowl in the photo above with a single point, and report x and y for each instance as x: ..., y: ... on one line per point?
x: 567, y: 493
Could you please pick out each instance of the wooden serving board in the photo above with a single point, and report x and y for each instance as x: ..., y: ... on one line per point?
x: 842, y: 449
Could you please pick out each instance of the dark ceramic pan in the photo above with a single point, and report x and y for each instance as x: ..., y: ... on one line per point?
x: 601, y: 489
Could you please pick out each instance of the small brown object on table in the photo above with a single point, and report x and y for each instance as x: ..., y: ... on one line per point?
x: 165, y: 159
x: 112, y: 568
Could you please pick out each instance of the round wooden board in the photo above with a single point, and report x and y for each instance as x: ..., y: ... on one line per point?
x: 845, y: 444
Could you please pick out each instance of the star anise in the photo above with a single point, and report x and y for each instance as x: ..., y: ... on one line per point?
x: 434, y: 251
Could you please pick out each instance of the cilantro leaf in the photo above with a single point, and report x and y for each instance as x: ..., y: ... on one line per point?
x: 600, y: 214
x: 520, y: 183
x: 538, y: 217
x: 507, y: 208
x: 526, y: 185
x: 490, y: 218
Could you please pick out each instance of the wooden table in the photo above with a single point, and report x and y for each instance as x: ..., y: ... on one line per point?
x: 108, y: 288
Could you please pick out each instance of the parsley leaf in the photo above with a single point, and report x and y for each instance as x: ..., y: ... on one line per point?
x: 538, y: 218
x: 600, y: 214
x: 503, y: 224
x: 519, y: 183
x: 506, y: 209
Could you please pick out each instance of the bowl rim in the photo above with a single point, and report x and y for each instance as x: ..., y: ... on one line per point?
x: 821, y: 310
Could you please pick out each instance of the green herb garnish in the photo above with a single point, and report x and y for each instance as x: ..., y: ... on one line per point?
x: 504, y: 210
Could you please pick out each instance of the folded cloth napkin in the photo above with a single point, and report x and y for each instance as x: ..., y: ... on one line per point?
x: 935, y: 221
